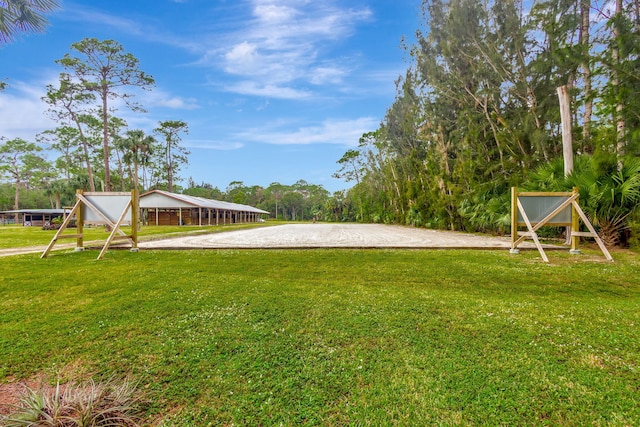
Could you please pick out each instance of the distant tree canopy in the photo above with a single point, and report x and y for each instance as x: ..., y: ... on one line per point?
x: 97, y: 150
x: 105, y: 70
x: 300, y: 201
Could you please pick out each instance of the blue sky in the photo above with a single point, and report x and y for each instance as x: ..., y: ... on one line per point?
x: 272, y: 90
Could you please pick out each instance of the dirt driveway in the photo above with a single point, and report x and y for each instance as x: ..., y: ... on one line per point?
x: 332, y: 236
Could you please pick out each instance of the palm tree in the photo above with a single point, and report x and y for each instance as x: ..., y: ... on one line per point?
x: 137, y: 148
x: 23, y: 16
x: 609, y: 191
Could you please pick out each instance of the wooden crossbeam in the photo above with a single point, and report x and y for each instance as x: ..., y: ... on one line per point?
x: 601, y: 245
x: 116, y: 232
x: 532, y: 232
x: 63, y: 227
x: 115, y: 229
x: 70, y: 236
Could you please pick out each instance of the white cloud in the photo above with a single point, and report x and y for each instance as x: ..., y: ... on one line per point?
x: 273, y: 13
x: 333, y: 131
x: 212, y: 145
x: 119, y: 23
x: 283, y: 45
x: 278, y: 44
x: 268, y: 91
x: 23, y: 114
x: 178, y: 103
x: 242, y: 59
x: 22, y: 111
x: 327, y: 75
x: 160, y: 98
x: 137, y: 27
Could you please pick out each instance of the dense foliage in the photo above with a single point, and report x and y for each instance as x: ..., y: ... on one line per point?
x: 477, y: 112
x: 299, y: 201
x: 95, y: 149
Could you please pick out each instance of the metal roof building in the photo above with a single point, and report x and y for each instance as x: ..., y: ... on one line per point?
x: 164, y: 208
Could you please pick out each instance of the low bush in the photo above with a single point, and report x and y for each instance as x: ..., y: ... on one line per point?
x: 87, y: 404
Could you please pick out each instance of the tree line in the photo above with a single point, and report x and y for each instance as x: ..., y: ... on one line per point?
x: 97, y: 150
x: 300, y: 201
x: 478, y: 111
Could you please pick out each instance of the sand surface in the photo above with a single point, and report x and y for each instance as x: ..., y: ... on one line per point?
x: 333, y: 236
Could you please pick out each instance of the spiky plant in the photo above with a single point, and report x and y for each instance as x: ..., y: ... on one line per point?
x: 88, y: 404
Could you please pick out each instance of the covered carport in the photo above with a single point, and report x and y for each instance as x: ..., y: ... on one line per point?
x: 164, y: 208
x: 32, y: 217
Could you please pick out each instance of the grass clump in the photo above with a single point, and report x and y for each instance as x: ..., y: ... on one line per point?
x: 19, y: 236
x: 88, y: 404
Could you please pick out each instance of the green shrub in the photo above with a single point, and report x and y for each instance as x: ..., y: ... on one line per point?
x: 634, y: 234
x: 609, y: 191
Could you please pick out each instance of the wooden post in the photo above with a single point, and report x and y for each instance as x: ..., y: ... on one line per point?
x: 134, y: 219
x: 575, y: 226
x: 514, y: 218
x: 79, y: 224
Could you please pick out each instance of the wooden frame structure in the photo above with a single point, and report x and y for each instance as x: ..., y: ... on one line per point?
x: 559, y: 209
x: 89, y: 209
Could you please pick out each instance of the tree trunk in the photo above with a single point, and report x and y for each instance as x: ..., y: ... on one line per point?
x: 615, y: 81
x: 565, y: 116
x: 585, y: 6
x: 136, y: 184
x: 16, y: 200
x: 85, y: 149
x: 105, y: 140
x: 567, y: 139
x: 120, y: 164
x: 169, y: 169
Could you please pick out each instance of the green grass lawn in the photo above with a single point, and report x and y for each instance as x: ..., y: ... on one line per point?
x: 335, y: 337
x: 19, y: 236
